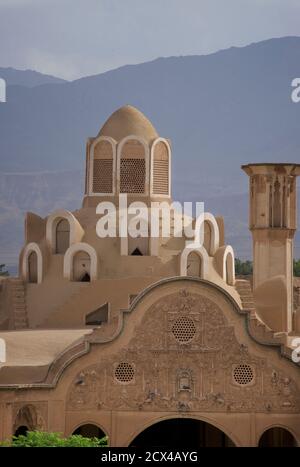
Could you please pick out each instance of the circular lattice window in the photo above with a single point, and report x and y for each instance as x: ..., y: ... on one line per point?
x: 124, y: 372
x: 184, y: 329
x: 243, y: 374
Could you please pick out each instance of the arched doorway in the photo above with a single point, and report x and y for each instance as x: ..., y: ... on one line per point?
x: 32, y: 267
x: 193, y: 265
x: 21, y: 430
x: 62, y: 236
x: 82, y: 267
x: 277, y: 437
x: 89, y: 431
x: 184, y: 432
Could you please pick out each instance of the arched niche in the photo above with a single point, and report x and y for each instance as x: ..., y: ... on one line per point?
x: 197, y: 262
x: 32, y: 263
x: 76, y: 232
x: 28, y: 418
x: 89, y: 430
x: 160, y: 168
x: 194, y: 264
x: 225, y: 264
x: 207, y: 232
x: 62, y: 240
x: 277, y: 437
x: 81, y: 261
x: 133, y: 166
x: 102, y: 166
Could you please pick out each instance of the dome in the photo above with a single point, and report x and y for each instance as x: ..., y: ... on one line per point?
x: 128, y: 121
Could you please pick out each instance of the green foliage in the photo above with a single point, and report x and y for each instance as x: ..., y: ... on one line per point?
x: 34, y: 439
x: 246, y: 268
x: 243, y: 268
x: 3, y: 272
x: 297, y: 267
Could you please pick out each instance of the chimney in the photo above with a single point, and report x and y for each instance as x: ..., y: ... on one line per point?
x: 272, y: 221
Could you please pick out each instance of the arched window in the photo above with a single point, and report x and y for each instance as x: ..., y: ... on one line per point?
x: 32, y: 267
x: 160, y: 176
x: 193, y: 265
x: 229, y: 265
x: 89, y: 431
x: 207, y: 240
x: 62, y: 241
x: 27, y: 419
x: 132, y: 167
x: 277, y: 437
x: 82, y: 267
x: 103, y: 168
x: 21, y: 430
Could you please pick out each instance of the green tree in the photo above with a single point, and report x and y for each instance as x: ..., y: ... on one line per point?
x: 297, y: 267
x: 34, y: 439
x: 3, y: 272
x: 243, y: 268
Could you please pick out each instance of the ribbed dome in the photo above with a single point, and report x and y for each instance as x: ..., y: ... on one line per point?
x: 128, y: 121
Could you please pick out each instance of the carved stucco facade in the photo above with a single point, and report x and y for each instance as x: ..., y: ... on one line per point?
x: 173, y: 345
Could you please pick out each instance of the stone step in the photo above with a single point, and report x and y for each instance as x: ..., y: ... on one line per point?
x: 248, y: 303
x: 20, y: 310
x: 248, y: 307
x: 19, y: 300
x: 20, y: 323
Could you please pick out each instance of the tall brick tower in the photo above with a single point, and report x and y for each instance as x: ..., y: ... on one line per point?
x: 272, y: 221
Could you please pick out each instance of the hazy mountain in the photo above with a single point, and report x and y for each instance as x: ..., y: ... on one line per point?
x: 28, y: 78
x: 219, y: 110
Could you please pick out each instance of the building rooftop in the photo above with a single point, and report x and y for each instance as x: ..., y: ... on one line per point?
x: 128, y: 121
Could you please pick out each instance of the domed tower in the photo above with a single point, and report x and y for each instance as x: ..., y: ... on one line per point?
x: 127, y: 156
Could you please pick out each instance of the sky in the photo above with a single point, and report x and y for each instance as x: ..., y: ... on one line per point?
x: 75, y: 38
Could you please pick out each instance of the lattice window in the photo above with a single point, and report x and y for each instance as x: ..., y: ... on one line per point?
x: 132, y: 168
x: 132, y: 175
x: 103, y: 168
x: 124, y: 372
x: 102, y: 176
x: 161, y: 169
x: 243, y: 374
x: 184, y: 329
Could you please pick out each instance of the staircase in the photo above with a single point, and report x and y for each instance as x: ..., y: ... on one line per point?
x: 258, y: 329
x: 243, y: 288
x: 18, y: 299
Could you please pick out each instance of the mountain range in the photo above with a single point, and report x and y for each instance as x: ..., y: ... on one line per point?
x: 220, y: 111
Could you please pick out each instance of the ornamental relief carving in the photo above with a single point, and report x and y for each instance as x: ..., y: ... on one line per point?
x: 34, y: 415
x: 184, y: 357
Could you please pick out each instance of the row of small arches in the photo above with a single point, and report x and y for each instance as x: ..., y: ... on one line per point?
x: 129, y: 167
x: 160, y: 434
x: 81, y: 263
x: 64, y: 236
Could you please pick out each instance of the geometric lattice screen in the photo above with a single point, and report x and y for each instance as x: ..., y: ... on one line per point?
x: 161, y: 170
